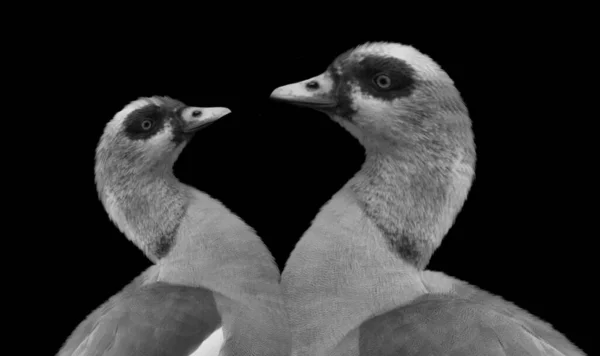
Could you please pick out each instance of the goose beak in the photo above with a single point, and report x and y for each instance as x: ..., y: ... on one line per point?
x: 316, y: 92
x: 195, y: 118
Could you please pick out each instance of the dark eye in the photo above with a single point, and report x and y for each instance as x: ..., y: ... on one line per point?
x: 196, y: 113
x: 147, y: 124
x: 382, y: 81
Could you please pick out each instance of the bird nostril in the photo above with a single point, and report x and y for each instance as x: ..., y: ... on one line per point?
x: 312, y: 85
x: 196, y: 113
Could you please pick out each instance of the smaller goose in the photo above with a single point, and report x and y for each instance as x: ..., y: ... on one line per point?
x: 213, y: 278
x: 356, y: 282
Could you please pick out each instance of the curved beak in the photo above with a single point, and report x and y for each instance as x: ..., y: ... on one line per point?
x: 195, y: 118
x: 316, y: 92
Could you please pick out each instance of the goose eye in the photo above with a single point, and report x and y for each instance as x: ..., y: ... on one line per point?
x: 147, y: 124
x: 383, y: 81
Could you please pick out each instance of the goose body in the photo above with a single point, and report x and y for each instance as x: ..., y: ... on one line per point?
x: 213, y: 288
x: 356, y: 283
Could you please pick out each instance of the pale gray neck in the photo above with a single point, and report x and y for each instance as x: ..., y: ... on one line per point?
x: 217, y: 250
x: 412, y: 197
x: 224, y: 253
x: 341, y: 272
x: 365, y: 250
x: 147, y: 203
x: 196, y: 241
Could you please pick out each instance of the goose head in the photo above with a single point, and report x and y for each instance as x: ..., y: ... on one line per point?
x: 385, y: 94
x: 134, y: 162
x: 415, y: 127
x: 150, y: 133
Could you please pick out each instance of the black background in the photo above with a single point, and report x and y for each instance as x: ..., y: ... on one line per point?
x: 518, y: 235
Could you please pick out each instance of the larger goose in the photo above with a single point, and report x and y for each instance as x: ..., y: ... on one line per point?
x: 356, y: 283
x: 213, y: 278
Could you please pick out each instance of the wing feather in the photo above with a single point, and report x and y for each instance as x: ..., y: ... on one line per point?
x: 449, y: 324
x: 153, y: 319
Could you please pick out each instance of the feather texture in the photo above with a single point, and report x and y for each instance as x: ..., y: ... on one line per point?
x: 153, y: 319
x: 355, y: 283
x: 467, y: 322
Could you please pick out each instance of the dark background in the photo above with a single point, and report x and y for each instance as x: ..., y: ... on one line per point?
x: 518, y: 235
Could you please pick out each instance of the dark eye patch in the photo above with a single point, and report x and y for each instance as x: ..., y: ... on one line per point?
x: 134, y: 123
x: 403, y: 76
x: 403, y: 79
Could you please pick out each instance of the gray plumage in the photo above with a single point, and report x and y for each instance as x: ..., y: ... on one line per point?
x: 127, y: 170
x: 355, y: 283
x: 465, y: 321
x: 144, y: 320
x: 212, y: 274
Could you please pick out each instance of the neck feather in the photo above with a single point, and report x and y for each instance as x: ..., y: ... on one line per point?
x: 366, y: 248
x: 175, y: 224
x: 221, y: 250
x: 196, y: 241
x: 146, y: 203
x: 413, y: 197
x: 340, y: 273
x: 217, y: 250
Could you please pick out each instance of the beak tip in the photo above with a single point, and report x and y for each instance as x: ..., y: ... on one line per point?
x: 275, y: 94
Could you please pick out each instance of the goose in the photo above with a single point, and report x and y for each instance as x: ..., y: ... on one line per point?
x: 213, y: 287
x: 356, y: 282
